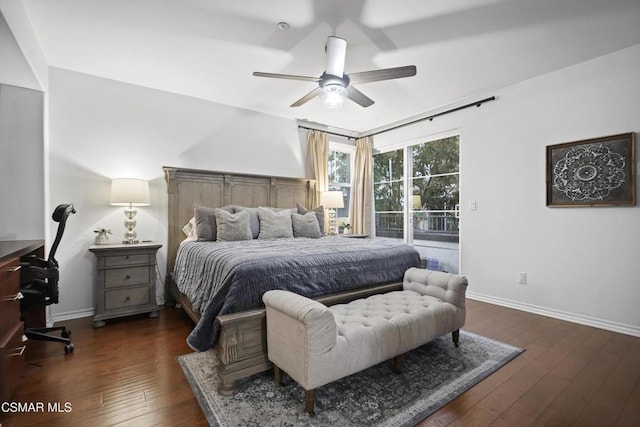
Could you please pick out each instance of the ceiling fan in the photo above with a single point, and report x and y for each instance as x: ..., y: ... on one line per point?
x: 334, y: 86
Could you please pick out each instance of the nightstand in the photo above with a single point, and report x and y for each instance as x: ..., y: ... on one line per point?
x: 126, y: 280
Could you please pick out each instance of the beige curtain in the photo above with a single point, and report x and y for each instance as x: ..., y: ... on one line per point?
x: 317, y: 160
x: 362, y: 190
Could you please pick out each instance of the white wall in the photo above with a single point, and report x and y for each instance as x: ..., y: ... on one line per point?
x: 582, y: 263
x: 21, y: 163
x: 21, y: 143
x: 102, y: 129
x: 23, y: 63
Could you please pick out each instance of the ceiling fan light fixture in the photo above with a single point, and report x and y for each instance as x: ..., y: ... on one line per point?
x: 333, y: 95
x: 334, y: 86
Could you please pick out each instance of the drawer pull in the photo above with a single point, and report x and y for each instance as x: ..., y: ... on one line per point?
x: 127, y: 298
x: 18, y: 351
x: 127, y: 277
x: 14, y: 297
x: 13, y: 269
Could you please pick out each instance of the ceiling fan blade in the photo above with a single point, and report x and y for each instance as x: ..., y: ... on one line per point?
x: 358, y: 97
x: 336, y: 51
x: 384, y: 74
x: 308, y: 97
x: 286, y: 76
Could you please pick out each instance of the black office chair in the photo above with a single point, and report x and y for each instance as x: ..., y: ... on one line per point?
x: 39, y: 283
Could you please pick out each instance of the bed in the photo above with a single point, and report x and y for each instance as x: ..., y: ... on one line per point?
x: 220, y: 284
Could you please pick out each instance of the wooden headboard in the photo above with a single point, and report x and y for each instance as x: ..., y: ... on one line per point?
x: 186, y: 187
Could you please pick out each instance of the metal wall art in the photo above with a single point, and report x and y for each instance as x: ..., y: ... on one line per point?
x: 592, y: 172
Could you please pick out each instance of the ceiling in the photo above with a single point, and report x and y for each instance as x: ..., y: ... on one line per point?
x: 209, y: 48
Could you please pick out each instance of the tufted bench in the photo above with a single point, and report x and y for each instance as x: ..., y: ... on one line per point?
x: 316, y: 344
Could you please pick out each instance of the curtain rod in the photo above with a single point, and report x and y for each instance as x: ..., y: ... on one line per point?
x: 326, y: 131
x: 433, y: 116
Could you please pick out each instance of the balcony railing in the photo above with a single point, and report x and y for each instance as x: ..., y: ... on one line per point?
x: 438, y: 226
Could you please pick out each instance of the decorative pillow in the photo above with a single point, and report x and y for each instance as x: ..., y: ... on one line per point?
x: 253, y: 217
x: 274, y: 224
x: 189, y: 229
x: 205, y: 221
x: 232, y: 226
x: 254, y: 222
x: 305, y: 225
x: 319, y: 211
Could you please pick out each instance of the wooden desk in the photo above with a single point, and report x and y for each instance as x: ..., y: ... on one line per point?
x: 11, y: 327
x: 19, y: 248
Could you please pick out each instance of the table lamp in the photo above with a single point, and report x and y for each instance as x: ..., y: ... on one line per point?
x: 331, y: 200
x: 130, y: 192
x: 417, y: 202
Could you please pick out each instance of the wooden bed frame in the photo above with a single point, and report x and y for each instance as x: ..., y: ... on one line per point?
x: 242, y: 345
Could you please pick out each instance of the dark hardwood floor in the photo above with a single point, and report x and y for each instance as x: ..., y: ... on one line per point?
x: 126, y: 374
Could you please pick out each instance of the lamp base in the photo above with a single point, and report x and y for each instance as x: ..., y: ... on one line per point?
x: 332, y: 222
x: 130, y: 223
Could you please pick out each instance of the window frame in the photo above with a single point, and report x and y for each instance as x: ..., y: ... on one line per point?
x: 407, y: 181
x: 350, y: 150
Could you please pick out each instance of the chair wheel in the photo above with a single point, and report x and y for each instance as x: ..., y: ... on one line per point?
x: 66, y: 333
x: 68, y: 348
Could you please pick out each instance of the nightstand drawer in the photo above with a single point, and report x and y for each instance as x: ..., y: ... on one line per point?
x: 126, y: 298
x: 124, y: 260
x: 131, y: 276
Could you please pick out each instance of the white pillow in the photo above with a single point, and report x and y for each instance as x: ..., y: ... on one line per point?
x: 189, y: 229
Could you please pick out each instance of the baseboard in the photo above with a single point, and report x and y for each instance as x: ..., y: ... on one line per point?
x: 557, y: 314
x: 69, y: 315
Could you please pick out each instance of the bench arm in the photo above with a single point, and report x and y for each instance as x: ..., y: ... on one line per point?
x: 298, y: 329
x: 448, y: 287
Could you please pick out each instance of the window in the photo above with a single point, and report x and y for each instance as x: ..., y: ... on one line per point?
x: 388, y: 193
x: 429, y: 178
x: 435, y: 190
x: 339, y: 171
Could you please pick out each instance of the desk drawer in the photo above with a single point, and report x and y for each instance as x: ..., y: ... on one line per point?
x: 9, y: 271
x: 132, y: 276
x: 123, y: 298
x: 124, y: 260
x: 9, y: 314
x: 12, y: 363
x: 9, y: 302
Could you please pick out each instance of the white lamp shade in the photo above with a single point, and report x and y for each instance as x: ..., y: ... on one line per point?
x: 129, y: 192
x: 417, y: 202
x: 331, y: 199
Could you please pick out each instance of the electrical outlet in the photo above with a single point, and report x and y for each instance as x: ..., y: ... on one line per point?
x: 522, y: 278
x: 472, y: 205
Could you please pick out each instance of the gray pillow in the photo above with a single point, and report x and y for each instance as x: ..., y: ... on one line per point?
x: 232, y: 226
x: 254, y: 222
x: 205, y: 221
x: 274, y: 224
x: 305, y: 225
x: 319, y: 211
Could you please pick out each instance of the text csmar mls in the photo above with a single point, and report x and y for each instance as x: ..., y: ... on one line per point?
x: 14, y: 407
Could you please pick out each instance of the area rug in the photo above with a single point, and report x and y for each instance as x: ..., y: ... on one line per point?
x: 433, y: 375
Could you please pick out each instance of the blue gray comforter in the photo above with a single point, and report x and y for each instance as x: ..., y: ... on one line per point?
x: 227, y: 277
